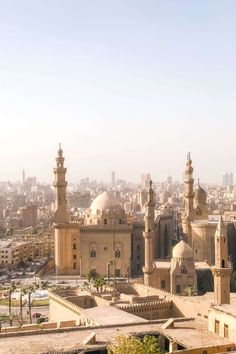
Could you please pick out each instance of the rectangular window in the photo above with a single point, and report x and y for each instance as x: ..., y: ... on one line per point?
x: 217, y: 326
x: 74, y: 265
x: 163, y: 284
x: 118, y: 273
x: 74, y: 246
x: 226, y: 331
x: 177, y: 289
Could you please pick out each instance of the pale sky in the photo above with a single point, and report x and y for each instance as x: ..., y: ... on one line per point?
x: 124, y: 85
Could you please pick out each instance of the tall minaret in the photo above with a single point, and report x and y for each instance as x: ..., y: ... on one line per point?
x: 188, y: 187
x: 222, y: 269
x: 148, y: 237
x: 188, y: 200
x: 60, y: 189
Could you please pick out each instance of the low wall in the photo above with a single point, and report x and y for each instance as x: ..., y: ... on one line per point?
x: 149, y: 311
x: 207, y: 350
x: 181, y: 305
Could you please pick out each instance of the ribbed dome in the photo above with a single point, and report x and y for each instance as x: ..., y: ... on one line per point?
x: 105, y: 201
x: 182, y: 250
x: 200, y: 196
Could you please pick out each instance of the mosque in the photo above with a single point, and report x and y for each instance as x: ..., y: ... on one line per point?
x: 105, y: 240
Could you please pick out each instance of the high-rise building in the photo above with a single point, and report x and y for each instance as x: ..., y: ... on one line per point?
x: 113, y: 179
x: 228, y: 179
x: 231, y: 179
x: 145, y: 179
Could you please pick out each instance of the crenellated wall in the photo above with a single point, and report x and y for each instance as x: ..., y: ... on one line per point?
x: 149, y: 310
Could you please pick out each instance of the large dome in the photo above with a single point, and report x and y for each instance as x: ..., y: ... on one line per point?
x: 105, y: 201
x: 182, y: 250
x: 200, y: 196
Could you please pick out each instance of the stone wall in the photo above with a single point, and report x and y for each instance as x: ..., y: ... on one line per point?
x: 149, y: 311
x: 181, y: 305
x: 209, y: 350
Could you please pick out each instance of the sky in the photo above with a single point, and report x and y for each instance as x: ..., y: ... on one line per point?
x: 124, y: 85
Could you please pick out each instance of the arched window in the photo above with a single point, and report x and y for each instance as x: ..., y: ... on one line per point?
x: 184, y: 270
x: 105, y: 221
x: 223, y: 263
x: 92, y: 253
x: 74, y: 256
x: 117, y: 253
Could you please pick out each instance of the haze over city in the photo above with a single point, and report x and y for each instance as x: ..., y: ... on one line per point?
x: 129, y: 86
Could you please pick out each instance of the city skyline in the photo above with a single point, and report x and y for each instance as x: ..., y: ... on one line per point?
x: 129, y: 87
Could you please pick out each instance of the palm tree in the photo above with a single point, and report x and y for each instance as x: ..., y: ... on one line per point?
x: 11, y: 289
x: 31, y: 289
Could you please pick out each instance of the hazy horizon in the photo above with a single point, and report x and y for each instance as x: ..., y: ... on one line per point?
x: 129, y: 86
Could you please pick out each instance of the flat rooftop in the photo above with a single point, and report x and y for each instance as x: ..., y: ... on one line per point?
x: 108, y: 315
x: 194, y: 334
x: 189, y: 333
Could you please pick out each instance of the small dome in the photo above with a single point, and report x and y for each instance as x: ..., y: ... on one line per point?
x: 105, y: 201
x: 200, y: 196
x: 182, y: 250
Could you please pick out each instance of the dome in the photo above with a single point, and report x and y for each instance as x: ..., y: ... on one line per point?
x: 182, y: 250
x: 200, y: 195
x: 105, y: 201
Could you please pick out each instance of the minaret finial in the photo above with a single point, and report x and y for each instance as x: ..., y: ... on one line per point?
x: 150, y: 184
x: 189, y: 156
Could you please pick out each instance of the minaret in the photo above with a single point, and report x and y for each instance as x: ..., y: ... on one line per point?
x: 60, y: 189
x: 148, y: 237
x: 188, y: 187
x: 188, y: 200
x: 222, y: 269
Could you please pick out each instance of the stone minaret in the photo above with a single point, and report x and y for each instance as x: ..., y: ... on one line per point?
x: 188, y: 200
x: 222, y: 269
x: 148, y: 237
x: 60, y: 189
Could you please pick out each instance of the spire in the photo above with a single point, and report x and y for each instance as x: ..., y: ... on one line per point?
x: 148, y: 236
x: 220, y: 230
x: 60, y: 185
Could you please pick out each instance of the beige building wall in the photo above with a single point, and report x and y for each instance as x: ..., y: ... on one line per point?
x: 203, y: 241
x: 221, y: 322
x: 97, y: 250
x: 67, y: 249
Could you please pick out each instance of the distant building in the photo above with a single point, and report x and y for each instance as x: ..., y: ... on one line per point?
x: 113, y: 179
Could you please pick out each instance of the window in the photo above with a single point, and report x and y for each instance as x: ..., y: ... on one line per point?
x: 184, y: 270
x: 74, y: 256
x: 226, y: 331
x: 120, y: 221
x: 74, y: 266
x: 105, y: 221
x: 117, y: 253
x: 217, y: 326
x: 74, y: 246
x: 223, y: 263
x: 92, y: 253
x: 177, y: 290
x: 138, y: 247
x: 117, y: 273
x: 138, y: 257
x: 163, y: 284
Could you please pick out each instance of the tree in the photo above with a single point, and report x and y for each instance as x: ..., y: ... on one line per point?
x: 11, y: 289
x: 100, y: 282
x: 31, y: 289
x: 132, y: 345
x: 190, y: 291
x: 92, y: 275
